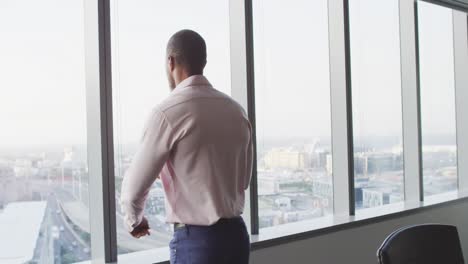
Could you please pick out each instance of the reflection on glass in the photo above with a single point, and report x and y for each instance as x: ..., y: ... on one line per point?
x: 43, y: 166
x: 437, y: 98
x: 377, y: 114
x: 293, y: 110
x: 141, y: 29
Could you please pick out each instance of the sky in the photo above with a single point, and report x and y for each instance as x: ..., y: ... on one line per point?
x: 375, y: 67
x: 42, y: 67
x: 141, y: 31
x: 41, y: 72
x: 291, y: 69
x: 437, y: 70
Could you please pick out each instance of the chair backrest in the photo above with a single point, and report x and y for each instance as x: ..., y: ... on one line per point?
x: 422, y: 244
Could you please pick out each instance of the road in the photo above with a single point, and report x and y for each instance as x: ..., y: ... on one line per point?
x: 69, y: 238
x: 160, y: 237
x: 70, y: 246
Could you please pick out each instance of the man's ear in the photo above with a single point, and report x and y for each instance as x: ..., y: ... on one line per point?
x: 171, y: 63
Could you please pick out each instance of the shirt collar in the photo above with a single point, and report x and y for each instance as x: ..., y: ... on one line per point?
x: 194, y: 80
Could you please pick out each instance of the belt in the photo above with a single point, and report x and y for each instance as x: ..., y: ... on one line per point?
x: 178, y: 226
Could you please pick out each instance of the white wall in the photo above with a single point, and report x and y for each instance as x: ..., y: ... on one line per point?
x: 358, y: 245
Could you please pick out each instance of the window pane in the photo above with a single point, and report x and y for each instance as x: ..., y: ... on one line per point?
x: 437, y: 98
x: 43, y: 152
x: 141, y: 30
x: 377, y: 113
x: 292, y: 92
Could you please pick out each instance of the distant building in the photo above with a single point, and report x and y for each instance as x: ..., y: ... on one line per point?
x: 267, y: 185
x: 380, y: 193
x: 440, y: 180
x: 366, y: 163
x: 6, y: 171
x: 30, y: 216
x: 283, y: 203
x: 280, y: 158
x: 374, y: 197
x: 290, y: 208
x: 7, y: 175
x: 322, y: 188
x: 360, y: 164
x: 436, y: 157
x: 270, y: 183
x: 155, y: 204
x: 322, y: 158
x: 319, y: 159
x: 329, y: 164
x: 384, y: 162
x: 22, y: 168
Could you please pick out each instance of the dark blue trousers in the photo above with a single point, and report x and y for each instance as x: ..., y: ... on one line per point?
x: 226, y: 242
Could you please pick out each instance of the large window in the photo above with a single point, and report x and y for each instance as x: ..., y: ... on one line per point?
x: 292, y: 91
x: 141, y: 30
x: 437, y: 98
x: 377, y: 111
x: 43, y: 166
x: 45, y: 174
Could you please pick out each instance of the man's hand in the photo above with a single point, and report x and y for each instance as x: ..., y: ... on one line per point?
x: 141, y: 230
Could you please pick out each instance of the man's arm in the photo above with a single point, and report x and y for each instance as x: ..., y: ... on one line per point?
x: 146, y: 165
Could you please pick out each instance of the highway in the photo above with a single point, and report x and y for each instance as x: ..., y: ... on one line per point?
x: 160, y: 237
x: 69, y: 239
x: 61, y: 241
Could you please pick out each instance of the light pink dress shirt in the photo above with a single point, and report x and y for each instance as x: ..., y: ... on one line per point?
x: 199, y: 143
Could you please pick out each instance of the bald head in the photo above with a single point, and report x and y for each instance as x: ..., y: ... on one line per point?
x: 188, y: 49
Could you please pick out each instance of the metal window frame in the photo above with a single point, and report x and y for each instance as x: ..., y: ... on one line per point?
x: 460, y: 49
x: 100, y: 115
x: 242, y: 89
x: 102, y: 215
x: 460, y: 53
x: 246, y: 19
x: 341, y: 108
x: 411, y: 100
x: 452, y: 4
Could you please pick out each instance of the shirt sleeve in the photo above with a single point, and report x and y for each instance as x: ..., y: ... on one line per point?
x: 249, y: 163
x: 146, y: 165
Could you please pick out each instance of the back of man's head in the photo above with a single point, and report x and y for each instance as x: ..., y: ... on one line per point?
x: 188, y: 49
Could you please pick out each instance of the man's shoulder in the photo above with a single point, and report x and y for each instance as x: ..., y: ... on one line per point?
x: 164, y: 105
x: 233, y: 102
x: 170, y: 101
x: 188, y: 98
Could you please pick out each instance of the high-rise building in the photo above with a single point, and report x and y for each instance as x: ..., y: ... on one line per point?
x: 281, y: 158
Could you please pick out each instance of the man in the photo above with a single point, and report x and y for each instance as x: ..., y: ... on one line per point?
x: 199, y: 143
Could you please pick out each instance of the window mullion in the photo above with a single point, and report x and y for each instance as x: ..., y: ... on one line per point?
x: 100, y: 131
x: 411, y: 104
x: 241, y: 51
x: 460, y: 34
x: 341, y: 108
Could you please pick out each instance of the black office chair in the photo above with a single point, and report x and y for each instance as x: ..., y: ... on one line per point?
x: 422, y: 244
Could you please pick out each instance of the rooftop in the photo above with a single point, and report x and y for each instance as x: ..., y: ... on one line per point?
x: 20, y: 224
